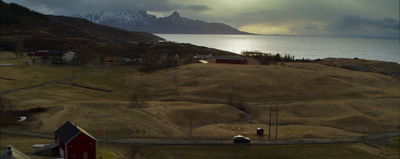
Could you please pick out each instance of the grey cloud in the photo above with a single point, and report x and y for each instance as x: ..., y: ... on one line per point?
x: 197, y: 7
x: 356, y: 25
x: 71, y: 7
x: 353, y: 21
x: 303, y: 16
x: 261, y: 12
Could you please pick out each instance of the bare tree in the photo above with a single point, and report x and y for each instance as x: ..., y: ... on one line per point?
x: 149, y: 63
x: 19, y: 49
x: 5, y: 105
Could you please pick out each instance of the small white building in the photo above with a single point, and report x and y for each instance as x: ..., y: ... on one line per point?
x: 204, y: 55
x: 68, y: 56
x: 134, y: 58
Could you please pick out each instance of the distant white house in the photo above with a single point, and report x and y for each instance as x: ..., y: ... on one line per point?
x: 204, y: 55
x: 68, y: 56
x: 134, y: 58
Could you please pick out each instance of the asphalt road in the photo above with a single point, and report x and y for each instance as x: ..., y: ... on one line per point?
x: 193, y: 141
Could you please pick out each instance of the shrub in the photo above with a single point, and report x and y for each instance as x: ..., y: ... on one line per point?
x: 267, y: 59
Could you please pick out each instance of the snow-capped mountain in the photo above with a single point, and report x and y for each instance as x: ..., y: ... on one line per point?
x: 142, y: 21
x: 124, y: 19
x: 124, y: 16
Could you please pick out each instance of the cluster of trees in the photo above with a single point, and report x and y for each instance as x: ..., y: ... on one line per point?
x: 23, y: 11
x: 154, y: 56
x: 152, y: 62
x: 7, y: 17
x: 169, y: 55
x: 268, y: 59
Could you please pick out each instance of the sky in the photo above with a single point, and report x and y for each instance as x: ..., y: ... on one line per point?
x: 365, y: 18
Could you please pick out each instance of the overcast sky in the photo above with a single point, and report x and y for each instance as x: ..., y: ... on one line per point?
x: 378, y: 18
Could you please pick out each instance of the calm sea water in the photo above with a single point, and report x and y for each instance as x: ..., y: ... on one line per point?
x: 308, y: 47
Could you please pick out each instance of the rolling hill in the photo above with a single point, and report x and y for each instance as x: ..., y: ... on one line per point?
x: 257, y: 83
x: 315, y: 101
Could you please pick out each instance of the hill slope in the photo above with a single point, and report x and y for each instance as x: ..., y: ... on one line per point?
x: 20, y: 23
x: 294, y: 82
x: 315, y: 101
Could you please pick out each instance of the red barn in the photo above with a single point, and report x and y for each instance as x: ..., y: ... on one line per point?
x: 75, y: 142
x: 42, y: 53
x: 232, y: 60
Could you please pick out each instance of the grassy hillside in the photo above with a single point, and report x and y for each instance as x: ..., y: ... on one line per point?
x: 223, y: 100
x: 24, y: 30
x: 256, y: 83
x: 315, y: 101
x: 17, y: 18
x: 386, y: 68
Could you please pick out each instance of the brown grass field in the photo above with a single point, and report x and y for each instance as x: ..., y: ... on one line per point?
x: 315, y: 101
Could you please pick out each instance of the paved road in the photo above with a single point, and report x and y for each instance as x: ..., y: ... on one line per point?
x: 215, y: 141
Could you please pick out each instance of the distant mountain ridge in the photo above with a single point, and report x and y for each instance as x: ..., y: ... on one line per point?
x: 142, y: 21
x: 56, y: 32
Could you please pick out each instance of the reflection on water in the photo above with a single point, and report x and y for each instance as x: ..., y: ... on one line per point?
x: 300, y: 46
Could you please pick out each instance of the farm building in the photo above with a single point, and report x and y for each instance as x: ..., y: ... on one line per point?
x: 62, y: 57
x: 42, y: 53
x: 68, y: 56
x: 232, y: 60
x: 204, y: 55
x: 75, y: 142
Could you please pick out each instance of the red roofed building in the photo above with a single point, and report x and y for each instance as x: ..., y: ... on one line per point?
x: 232, y: 60
x: 75, y: 143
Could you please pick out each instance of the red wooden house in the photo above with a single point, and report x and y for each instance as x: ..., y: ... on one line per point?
x: 75, y: 143
x: 232, y: 60
x: 42, y: 53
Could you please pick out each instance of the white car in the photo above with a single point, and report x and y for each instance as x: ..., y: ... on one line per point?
x: 241, y: 139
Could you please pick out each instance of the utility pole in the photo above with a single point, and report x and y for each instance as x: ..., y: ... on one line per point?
x: 270, y: 114
x: 276, y: 127
x: 73, y: 73
x: 271, y: 109
x: 190, y: 124
x: 30, y: 83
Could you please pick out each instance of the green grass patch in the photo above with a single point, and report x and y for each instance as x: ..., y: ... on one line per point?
x: 112, y: 78
x: 394, y: 145
x: 101, y: 153
x: 109, y: 78
x: 23, y: 76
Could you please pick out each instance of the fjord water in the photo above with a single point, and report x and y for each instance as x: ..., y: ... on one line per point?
x: 308, y: 47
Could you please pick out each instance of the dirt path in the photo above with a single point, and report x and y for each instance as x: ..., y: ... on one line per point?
x: 375, y: 137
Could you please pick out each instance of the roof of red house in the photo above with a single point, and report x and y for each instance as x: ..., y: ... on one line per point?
x: 204, y: 53
x: 230, y: 58
x: 68, y: 131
